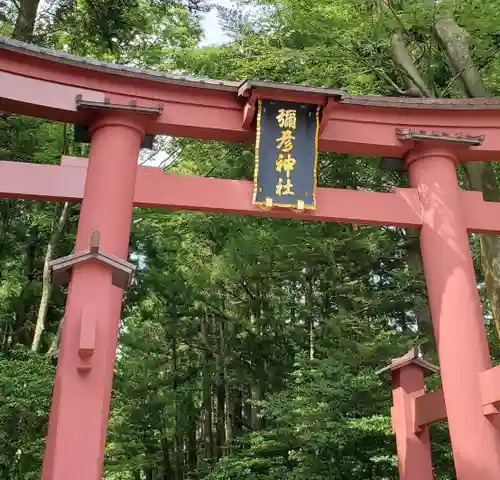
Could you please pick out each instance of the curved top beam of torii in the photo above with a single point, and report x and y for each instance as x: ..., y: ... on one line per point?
x: 44, y: 83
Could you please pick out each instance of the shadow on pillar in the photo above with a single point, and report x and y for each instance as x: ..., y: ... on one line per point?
x: 412, y: 412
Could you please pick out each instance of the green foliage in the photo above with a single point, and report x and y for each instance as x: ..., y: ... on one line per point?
x: 25, y: 390
x: 139, y: 33
x: 325, y: 425
x: 248, y: 346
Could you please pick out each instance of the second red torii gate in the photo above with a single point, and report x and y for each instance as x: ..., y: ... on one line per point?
x: 120, y: 105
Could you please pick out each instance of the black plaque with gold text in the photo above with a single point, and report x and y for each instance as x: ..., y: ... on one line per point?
x: 286, y: 154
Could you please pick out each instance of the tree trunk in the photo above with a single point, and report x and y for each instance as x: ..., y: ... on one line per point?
x: 47, y: 284
x: 207, y: 391
x: 220, y: 387
x: 25, y: 21
x: 310, y: 314
x: 249, y: 420
x: 23, y: 306
x: 402, y: 58
x: 454, y: 41
x: 168, y: 470
x: 257, y: 390
x: 236, y: 413
x: 227, y: 417
x: 178, y: 446
x: 54, y: 346
x: 192, y: 446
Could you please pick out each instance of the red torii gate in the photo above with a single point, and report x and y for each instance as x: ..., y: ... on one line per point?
x: 121, y: 104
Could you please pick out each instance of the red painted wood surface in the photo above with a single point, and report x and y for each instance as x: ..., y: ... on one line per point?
x: 44, y: 86
x: 156, y: 189
x: 413, y: 448
x: 159, y: 190
x: 489, y: 383
x: 429, y: 408
x: 456, y: 313
x: 364, y: 129
x: 80, y: 406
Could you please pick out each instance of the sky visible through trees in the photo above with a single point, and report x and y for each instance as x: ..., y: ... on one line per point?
x: 213, y: 34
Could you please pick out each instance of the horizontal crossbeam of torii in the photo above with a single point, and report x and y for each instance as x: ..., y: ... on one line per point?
x: 155, y: 189
x: 120, y: 105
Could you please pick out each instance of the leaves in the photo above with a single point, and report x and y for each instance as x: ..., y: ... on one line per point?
x: 248, y: 346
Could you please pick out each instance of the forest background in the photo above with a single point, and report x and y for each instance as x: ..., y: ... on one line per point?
x: 248, y: 346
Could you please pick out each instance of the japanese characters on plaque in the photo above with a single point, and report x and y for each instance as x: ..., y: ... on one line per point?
x: 286, y: 155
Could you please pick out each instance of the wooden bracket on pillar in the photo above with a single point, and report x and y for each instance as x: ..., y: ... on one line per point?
x: 489, y: 386
x: 423, y: 135
x: 132, y: 106
x: 122, y: 271
x: 88, y: 331
x: 81, y: 132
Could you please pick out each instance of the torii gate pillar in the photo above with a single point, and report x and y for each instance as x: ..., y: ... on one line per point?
x: 80, y: 405
x: 456, y: 312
